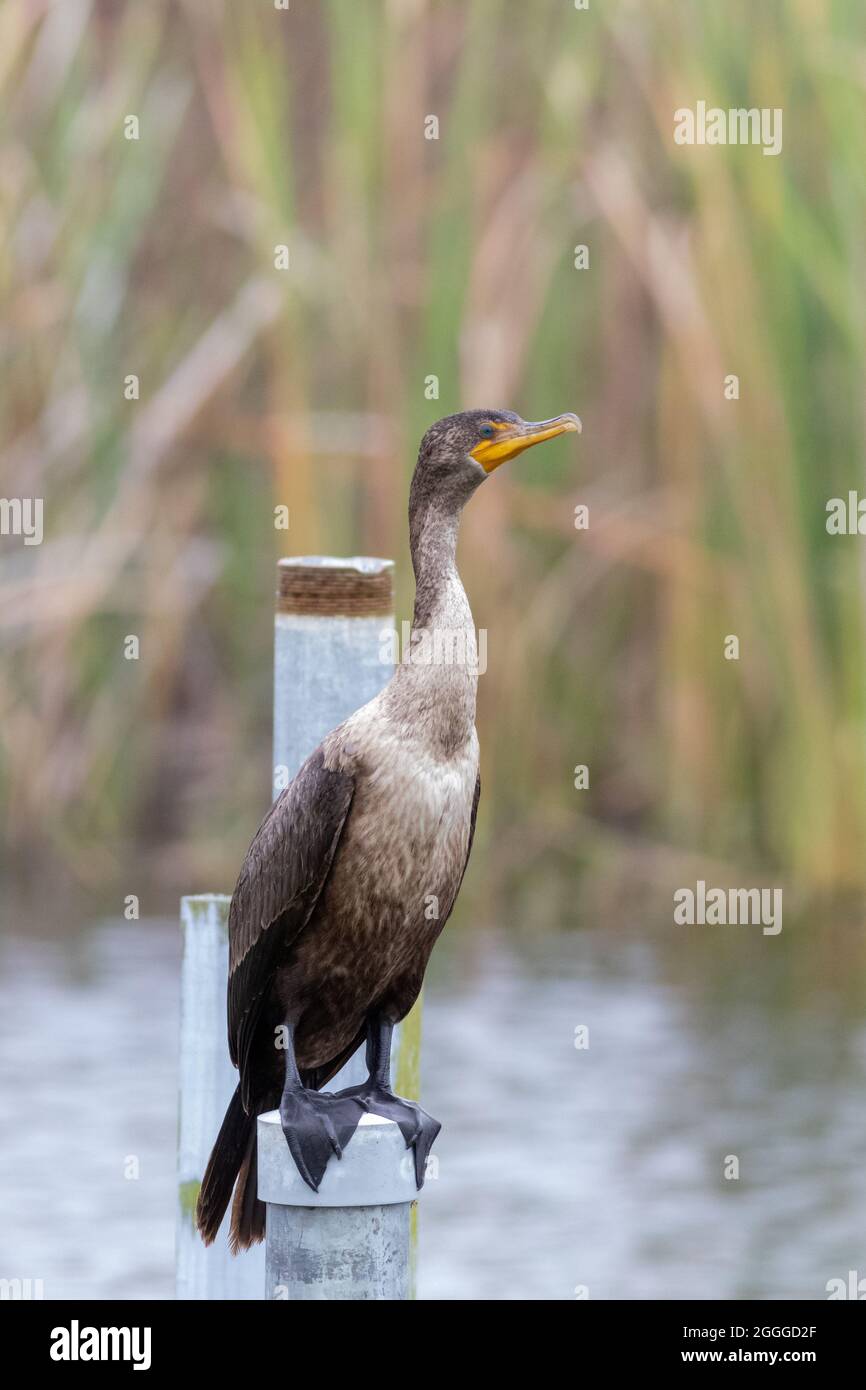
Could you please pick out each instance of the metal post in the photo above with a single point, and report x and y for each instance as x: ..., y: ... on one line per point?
x: 352, y: 1238
x: 207, y: 1081
x: 331, y: 655
x: 333, y: 651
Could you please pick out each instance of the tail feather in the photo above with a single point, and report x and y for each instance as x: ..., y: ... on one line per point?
x: 233, y: 1158
x: 233, y: 1163
x: 248, y: 1213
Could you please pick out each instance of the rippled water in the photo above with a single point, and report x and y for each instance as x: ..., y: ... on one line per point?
x: 558, y: 1167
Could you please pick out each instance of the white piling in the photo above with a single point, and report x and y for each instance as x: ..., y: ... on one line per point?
x: 352, y: 1238
x: 330, y: 657
x: 207, y: 1081
x: 333, y: 651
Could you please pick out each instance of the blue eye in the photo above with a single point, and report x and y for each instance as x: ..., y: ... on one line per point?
x: 486, y: 431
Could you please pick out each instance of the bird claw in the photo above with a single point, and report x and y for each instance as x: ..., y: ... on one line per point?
x: 316, y: 1125
x: 418, y: 1129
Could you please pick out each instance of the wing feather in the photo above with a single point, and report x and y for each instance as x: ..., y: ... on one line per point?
x: 280, y: 883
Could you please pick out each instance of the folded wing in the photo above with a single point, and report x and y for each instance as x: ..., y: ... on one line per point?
x: 280, y: 882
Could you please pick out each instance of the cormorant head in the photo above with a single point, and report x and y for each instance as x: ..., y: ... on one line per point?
x: 459, y: 452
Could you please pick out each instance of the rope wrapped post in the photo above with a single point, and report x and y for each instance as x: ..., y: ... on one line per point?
x: 351, y: 1239
x: 207, y: 1081
x: 334, y: 640
x: 330, y: 656
x: 334, y: 651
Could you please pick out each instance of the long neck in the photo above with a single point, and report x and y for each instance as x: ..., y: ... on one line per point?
x: 433, y: 528
x: 437, y: 681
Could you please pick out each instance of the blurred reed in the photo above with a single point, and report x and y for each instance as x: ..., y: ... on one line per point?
x: 453, y: 257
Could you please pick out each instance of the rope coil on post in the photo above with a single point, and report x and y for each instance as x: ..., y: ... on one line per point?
x: 317, y: 586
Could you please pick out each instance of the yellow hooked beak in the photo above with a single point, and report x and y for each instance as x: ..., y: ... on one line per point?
x: 511, y: 439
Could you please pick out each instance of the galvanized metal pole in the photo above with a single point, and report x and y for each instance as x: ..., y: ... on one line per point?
x: 207, y: 1081
x: 334, y: 649
x: 352, y: 1238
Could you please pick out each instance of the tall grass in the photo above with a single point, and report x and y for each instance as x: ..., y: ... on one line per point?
x: 453, y: 258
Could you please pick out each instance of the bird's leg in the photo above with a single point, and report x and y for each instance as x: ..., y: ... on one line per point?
x: 375, y: 1094
x: 316, y: 1124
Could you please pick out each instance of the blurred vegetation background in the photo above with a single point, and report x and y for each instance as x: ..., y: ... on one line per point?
x: 453, y: 257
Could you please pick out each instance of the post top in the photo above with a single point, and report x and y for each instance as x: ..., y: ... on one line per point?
x: 334, y: 586
x: 272, y: 1117
x: 366, y: 564
x: 376, y: 1170
x: 205, y: 913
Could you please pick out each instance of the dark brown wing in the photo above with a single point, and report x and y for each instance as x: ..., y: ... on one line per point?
x: 280, y: 882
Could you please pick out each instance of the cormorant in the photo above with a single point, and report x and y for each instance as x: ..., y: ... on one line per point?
x: 330, y: 927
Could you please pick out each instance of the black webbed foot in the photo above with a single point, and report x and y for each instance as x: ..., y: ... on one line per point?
x: 417, y: 1127
x: 317, y: 1125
